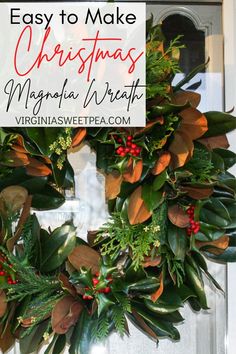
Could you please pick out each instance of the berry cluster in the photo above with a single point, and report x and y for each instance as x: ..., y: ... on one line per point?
x: 194, y: 226
x: 5, y: 271
x: 128, y: 147
x: 99, y: 286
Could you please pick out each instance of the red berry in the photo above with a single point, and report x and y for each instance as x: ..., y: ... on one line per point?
x: 95, y: 281
x: 127, y: 150
x: 129, y: 143
x: 132, y: 151
x: 107, y: 290
x: 129, y: 138
x: 119, y: 140
x: 97, y: 274
x: 133, y: 146
x: 2, y: 273
x: 122, y: 154
x: 89, y: 297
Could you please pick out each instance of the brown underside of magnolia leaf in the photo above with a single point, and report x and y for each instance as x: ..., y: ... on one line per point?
x: 85, y: 256
x: 214, y: 142
x: 133, y: 171
x: 112, y: 185
x: 144, y: 326
x: 66, y: 285
x: 137, y: 210
x: 155, y: 296
x: 3, y: 303
x: 218, y: 246
x: 79, y: 137
x: 7, y: 341
x: 178, y: 216
x: 151, y: 262
x: 37, y: 168
x: 15, y: 159
x: 193, y: 123
x: 162, y: 163
x: 197, y: 193
x: 182, y: 97
x: 65, y: 314
x: 181, y: 149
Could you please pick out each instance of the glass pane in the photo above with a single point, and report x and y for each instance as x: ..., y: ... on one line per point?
x: 194, y: 40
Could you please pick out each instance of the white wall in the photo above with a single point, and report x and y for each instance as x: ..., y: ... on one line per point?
x: 229, y: 25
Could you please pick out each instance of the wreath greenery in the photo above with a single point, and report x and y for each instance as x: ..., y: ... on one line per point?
x: 172, y: 203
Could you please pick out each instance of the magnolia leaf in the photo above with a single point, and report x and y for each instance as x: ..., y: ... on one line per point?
x: 198, y: 193
x: 66, y: 285
x: 113, y: 184
x: 162, y: 163
x: 6, y: 340
x: 133, y: 171
x: 79, y: 136
x: 15, y: 159
x: 178, y: 216
x: 143, y: 325
x: 220, y: 141
x: 151, y: 261
x: 181, y: 149
x: 152, y: 198
x: 215, y: 247
x: 37, y: 168
x: 155, y: 296
x: 3, y: 303
x: 24, y: 216
x: 65, y: 314
x: 219, y: 123
x: 85, y: 256
x: 182, y: 97
x: 137, y: 210
x: 14, y: 197
x: 193, y: 123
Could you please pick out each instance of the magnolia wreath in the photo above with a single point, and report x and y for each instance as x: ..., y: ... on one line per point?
x: 172, y: 205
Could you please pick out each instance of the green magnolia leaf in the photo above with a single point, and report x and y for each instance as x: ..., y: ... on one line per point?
x: 185, y: 292
x: 59, y: 344
x: 217, y: 161
x: 148, y: 285
x: 228, y: 156
x: 81, y: 336
x: 209, y: 232
x: 197, y: 284
x: 43, y: 138
x: 31, y: 342
x: 178, y: 241
x: 48, y: 198
x: 167, y: 109
x: 215, y: 213
x: 56, y: 249
x: 219, y: 123
x: 164, y: 326
x: 160, y: 180
x: 152, y: 198
x: 160, y: 308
